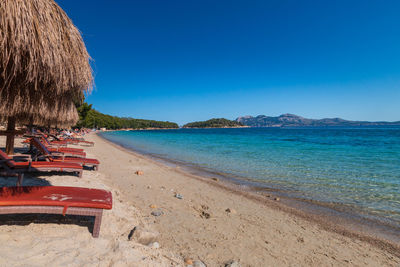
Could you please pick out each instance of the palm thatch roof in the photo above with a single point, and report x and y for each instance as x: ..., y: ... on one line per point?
x: 44, y: 64
x: 63, y: 114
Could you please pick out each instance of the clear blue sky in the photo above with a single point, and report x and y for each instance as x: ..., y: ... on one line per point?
x: 193, y: 60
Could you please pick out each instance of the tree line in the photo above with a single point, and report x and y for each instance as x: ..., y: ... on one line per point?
x: 91, y: 118
x: 213, y: 123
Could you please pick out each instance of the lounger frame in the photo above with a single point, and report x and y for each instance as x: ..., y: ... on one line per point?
x: 19, y: 175
x: 95, y: 212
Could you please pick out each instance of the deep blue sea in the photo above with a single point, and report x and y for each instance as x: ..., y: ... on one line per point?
x: 357, y: 168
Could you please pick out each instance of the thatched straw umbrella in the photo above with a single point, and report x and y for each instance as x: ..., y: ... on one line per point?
x: 64, y: 114
x: 44, y: 64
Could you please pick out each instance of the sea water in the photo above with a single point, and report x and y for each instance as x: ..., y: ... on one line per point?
x: 357, y: 168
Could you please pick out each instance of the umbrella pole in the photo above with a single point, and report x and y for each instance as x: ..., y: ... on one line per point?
x: 10, y: 137
x: 30, y: 128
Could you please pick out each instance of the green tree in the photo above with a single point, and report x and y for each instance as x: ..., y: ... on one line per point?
x: 91, y: 118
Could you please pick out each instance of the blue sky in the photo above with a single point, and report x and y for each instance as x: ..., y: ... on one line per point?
x: 193, y: 60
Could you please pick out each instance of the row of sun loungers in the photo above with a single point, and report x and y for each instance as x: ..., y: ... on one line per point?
x: 77, y: 141
x: 52, y: 156
x: 61, y: 157
x: 74, y: 152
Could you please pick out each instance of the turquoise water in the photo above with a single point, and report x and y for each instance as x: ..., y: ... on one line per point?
x: 357, y: 168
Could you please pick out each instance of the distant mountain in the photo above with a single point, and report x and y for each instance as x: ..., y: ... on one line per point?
x: 291, y: 120
x: 213, y: 123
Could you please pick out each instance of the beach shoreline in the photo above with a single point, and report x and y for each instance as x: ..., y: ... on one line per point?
x: 286, y: 205
x: 210, y: 221
x: 351, y: 221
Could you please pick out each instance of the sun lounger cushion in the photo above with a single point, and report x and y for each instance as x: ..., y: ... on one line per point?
x: 83, y: 161
x: 69, y: 149
x: 65, y: 149
x: 55, y: 196
x: 56, y: 200
x: 43, y: 164
x: 72, y: 153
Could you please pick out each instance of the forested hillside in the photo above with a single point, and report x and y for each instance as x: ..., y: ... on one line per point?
x: 91, y: 118
x: 213, y: 123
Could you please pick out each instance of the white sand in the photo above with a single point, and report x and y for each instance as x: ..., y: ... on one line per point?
x: 258, y: 234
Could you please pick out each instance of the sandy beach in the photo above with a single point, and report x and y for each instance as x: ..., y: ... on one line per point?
x: 201, y: 219
x: 275, y: 133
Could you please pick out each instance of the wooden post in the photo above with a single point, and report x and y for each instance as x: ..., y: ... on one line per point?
x: 30, y: 126
x: 30, y: 129
x: 10, y: 137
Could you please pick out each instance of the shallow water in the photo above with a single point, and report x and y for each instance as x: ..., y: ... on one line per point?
x: 358, y: 168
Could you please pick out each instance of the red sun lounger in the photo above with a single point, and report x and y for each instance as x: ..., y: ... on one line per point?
x: 52, y: 157
x: 9, y: 165
x: 70, y: 140
x: 56, y: 200
x: 68, y: 152
x: 65, y: 151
